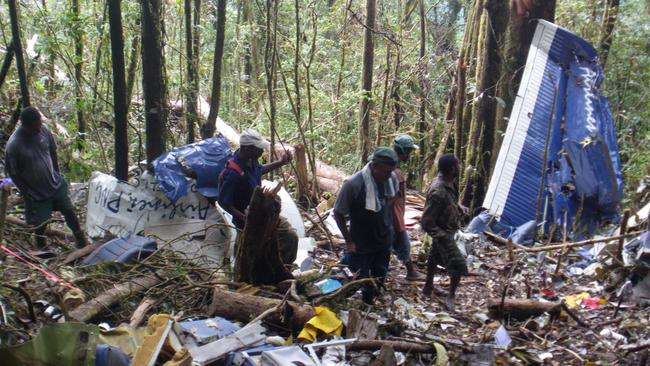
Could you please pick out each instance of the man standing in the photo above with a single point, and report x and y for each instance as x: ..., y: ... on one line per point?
x: 32, y: 163
x: 441, y: 220
x: 237, y: 183
x: 367, y: 198
x: 403, y: 146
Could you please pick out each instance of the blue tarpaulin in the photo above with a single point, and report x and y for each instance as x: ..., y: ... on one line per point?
x: 559, y: 157
x: 206, y: 159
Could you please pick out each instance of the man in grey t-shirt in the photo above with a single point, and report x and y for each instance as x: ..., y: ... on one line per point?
x: 32, y: 163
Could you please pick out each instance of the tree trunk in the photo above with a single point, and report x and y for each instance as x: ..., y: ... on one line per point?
x: 77, y: 32
x: 422, y: 65
x: 153, y: 86
x: 18, y: 50
x: 210, y: 125
x: 302, y: 178
x: 119, y: 91
x: 521, y: 309
x: 520, y: 35
x: 607, y: 29
x: 191, y: 92
x: 488, y: 76
x: 133, y: 67
x: 269, y: 65
x: 6, y: 64
x: 366, y: 82
x: 258, y: 259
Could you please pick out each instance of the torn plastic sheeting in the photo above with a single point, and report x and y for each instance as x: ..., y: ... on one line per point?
x: 206, y: 159
x: 522, y: 234
x: 325, y: 321
x: 55, y: 344
x: 560, y: 85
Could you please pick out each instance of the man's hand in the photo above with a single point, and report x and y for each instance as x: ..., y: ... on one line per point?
x: 351, y: 247
x: 286, y: 157
x: 463, y: 209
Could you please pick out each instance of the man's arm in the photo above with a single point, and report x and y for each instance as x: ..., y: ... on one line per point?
x: 53, y: 154
x: 234, y: 212
x: 343, y: 227
x: 286, y: 157
x: 12, y: 169
x: 226, y: 195
x: 432, y: 208
x: 341, y: 209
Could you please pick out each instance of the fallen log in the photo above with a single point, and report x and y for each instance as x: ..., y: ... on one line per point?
x: 398, y: 346
x: 521, y: 308
x: 258, y: 259
x: 108, y: 298
x: 241, y: 307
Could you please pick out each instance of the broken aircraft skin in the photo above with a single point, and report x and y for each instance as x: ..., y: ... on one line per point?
x: 559, y: 157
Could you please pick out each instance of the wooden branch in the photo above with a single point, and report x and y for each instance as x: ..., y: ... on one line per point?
x: 118, y: 293
x: 636, y: 347
x: 79, y: 253
x: 399, y: 346
x: 352, y: 285
x: 141, y: 311
x: 498, y: 239
x: 621, y: 241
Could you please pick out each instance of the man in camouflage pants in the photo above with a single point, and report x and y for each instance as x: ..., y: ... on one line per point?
x: 441, y: 219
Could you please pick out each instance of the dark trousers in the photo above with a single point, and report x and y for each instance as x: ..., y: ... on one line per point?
x: 38, y: 213
x: 369, y: 265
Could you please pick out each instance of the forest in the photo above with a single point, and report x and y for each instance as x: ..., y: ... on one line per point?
x: 126, y: 86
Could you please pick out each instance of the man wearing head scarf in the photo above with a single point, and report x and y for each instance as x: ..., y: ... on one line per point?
x: 237, y: 183
x: 367, y: 198
x: 403, y: 146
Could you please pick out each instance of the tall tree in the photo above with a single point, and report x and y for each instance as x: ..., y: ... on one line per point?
x: 192, y: 77
x: 77, y: 35
x: 119, y: 90
x: 366, y: 81
x: 607, y: 29
x: 6, y: 63
x: 18, y: 50
x: 153, y: 85
x: 422, y: 73
x: 209, y: 127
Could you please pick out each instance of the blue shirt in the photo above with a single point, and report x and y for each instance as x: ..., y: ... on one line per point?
x: 237, y: 189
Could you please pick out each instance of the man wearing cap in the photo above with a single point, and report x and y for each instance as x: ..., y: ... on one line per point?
x: 237, y: 183
x: 441, y: 219
x: 32, y: 163
x: 367, y: 198
x: 403, y: 146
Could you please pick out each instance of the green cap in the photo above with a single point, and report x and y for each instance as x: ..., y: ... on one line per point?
x: 384, y: 155
x: 405, y: 142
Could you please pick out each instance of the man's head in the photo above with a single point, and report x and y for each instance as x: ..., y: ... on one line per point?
x: 449, y: 166
x: 30, y: 119
x: 252, y: 144
x: 404, y: 146
x: 382, y: 163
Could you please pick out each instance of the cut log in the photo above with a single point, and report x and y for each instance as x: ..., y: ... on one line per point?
x: 258, y: 258
x: 108, y: 298
x: 241, y: 307
x: 521, y: 308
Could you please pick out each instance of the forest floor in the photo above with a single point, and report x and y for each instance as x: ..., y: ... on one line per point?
x: 598, y: 328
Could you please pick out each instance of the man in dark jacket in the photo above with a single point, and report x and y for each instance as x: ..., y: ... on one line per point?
x: 32, y: 163
x: 367, y: 199
x: 441, y: 220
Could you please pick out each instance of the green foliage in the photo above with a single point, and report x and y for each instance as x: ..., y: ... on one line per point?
x: 334, y: 66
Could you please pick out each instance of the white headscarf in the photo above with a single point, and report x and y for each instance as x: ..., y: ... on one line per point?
x: 250, y: 137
